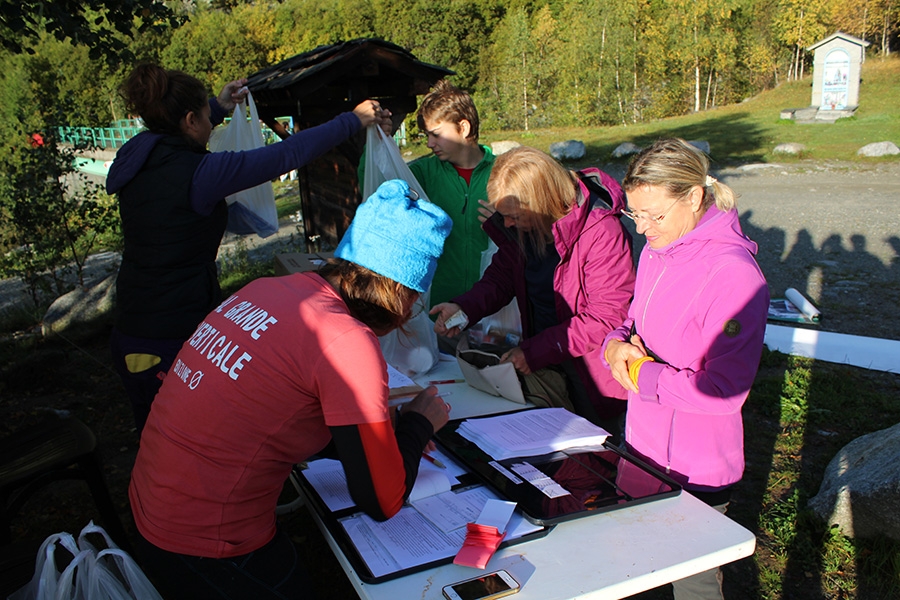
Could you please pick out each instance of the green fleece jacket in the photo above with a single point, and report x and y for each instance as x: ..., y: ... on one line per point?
x: 460, y: 265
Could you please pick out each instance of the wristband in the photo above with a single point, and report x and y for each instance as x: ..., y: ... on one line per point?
x: 635, y: 368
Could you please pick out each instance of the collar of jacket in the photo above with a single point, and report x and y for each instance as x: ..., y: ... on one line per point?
x: 714, y: 227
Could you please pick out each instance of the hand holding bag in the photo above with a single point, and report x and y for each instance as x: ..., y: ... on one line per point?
x: 251, y: 210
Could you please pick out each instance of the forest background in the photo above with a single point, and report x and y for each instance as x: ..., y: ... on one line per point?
x: 528, y: 63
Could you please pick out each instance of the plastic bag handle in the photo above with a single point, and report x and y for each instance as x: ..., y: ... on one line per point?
x: 66, y: 585
x: 84, y: 544
x: 138, y: 584
x: 44, y: 583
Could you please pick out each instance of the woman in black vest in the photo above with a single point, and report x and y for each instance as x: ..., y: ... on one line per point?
x: 172, y: 203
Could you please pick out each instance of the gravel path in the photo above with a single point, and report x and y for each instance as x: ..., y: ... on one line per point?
x: 832, y: 231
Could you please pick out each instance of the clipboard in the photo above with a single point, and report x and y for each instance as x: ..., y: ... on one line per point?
x: 334, y: 521
x: 556, y: 487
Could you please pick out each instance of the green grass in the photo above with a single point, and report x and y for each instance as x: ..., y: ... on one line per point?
x: 799, y: 415
x: 749, y: 131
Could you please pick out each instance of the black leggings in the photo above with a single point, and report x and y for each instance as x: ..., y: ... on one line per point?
x: 272, y: 572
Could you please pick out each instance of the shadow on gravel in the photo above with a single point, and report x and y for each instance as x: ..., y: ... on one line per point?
x: 851, y: 284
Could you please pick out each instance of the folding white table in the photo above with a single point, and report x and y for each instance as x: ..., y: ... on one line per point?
x: 605, y: 556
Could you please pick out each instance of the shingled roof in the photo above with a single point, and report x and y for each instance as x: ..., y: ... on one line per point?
x: 338, y: 76
x: 315, y: 86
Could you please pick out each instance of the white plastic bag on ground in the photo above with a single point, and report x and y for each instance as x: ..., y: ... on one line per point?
x: 251, y: 210
x: 108, y: 574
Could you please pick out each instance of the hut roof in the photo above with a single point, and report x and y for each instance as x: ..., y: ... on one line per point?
x: 341, y: 75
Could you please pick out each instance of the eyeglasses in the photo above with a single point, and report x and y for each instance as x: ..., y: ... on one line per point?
x: 656, y: 220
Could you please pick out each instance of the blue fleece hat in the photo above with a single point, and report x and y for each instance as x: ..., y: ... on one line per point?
x: 397, y: 236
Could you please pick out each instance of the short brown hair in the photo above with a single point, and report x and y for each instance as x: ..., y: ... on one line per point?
x: 536, y: 182
x: 449, y: 104
x: 374, y: 299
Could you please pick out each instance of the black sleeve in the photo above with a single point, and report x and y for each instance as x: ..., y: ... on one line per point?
x: 412, y: 434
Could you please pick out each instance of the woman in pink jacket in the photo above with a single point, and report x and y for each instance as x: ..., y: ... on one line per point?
x: 566, y: 258
x: 690, y: 348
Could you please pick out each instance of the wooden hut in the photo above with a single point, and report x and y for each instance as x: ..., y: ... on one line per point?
x: 313, y: 88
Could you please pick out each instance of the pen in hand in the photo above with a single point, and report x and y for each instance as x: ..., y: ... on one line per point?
x: 433, y: 460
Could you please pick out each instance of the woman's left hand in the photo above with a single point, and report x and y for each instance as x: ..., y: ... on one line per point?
x: 485, y: 210
x: 517, y: 358
x: 232, y: 94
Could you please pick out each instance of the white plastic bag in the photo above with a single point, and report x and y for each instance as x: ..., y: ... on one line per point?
x: 251, y: 210
x: 412, y: 350
x: 508, y: 319
x: 110, y: 574
x: 45, y: 583
x: 383, y: 162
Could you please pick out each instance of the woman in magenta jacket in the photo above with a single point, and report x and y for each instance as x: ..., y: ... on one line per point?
x: 690, y: 348
x: 566, y: 258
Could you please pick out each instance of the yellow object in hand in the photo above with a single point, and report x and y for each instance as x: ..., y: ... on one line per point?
x: 635, y: 368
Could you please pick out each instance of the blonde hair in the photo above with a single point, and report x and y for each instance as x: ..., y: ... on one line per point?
x: 677, y: 166
x: 537, y: 183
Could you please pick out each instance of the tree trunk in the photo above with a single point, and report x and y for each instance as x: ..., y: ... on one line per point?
x: 696, y: 85
x: 525, y: 90
x: 715, y: 90
x: 619, y: 91
x: 708, y: 85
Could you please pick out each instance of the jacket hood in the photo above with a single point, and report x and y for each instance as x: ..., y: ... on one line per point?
x: 717, y: 227
x: 130, y: 160
x: 600, y: 198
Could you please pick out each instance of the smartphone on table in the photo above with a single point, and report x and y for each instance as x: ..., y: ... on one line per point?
x: 484, y: 587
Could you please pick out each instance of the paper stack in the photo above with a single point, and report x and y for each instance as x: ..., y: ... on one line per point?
x: 532, y: 433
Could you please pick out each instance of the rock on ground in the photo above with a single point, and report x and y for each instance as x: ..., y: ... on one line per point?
x: 789, y: 148
x: 500, y: 147
x: 879, y: 149
x: 861, y: 489
x: 625, y: 149
x: 81, y: 305
x: 568, y: 150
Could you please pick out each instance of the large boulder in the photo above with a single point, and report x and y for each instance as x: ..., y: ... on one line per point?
x: 625, y: 149
x: 80, y: 308
x: 568, y: 150
x: 789, y: 148
x: 701, y: 145
x: 861, y: 489
x: 502, y: 146
x: 879, y: 149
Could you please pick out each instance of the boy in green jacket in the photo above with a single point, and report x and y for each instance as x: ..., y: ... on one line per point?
x: 455, y: 178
